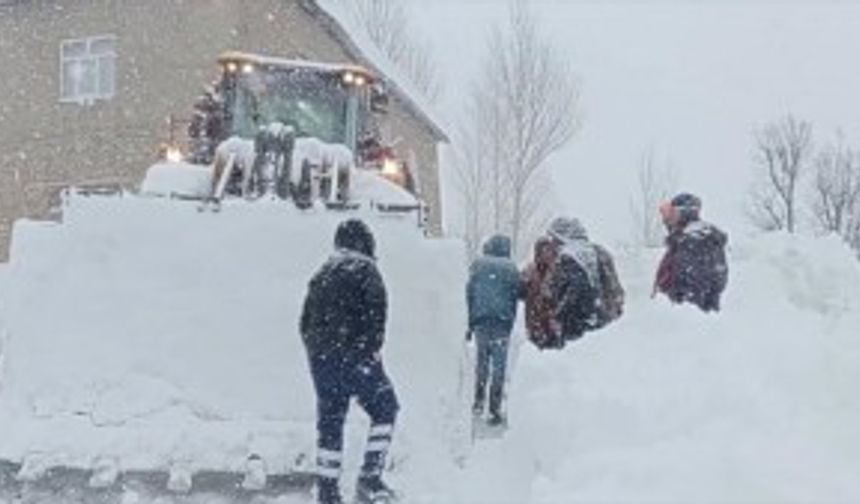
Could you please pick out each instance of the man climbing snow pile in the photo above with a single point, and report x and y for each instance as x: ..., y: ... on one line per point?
x: 694, y: 268
x: 492, y: 295
x: 343, y: 328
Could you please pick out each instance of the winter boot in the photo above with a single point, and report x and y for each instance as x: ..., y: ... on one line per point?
x: 478, y: 405
x: 372, y: 490
x: 477, y: 409
x: 496, y: 419
x: 328, y: 491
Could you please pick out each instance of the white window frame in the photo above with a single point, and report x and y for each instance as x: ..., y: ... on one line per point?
x: 88, y: 98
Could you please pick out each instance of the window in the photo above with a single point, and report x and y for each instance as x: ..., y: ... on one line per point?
x: 88, y: 69
x: 311, y: 103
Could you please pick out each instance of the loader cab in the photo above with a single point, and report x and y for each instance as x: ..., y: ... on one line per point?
x: 334, y: 103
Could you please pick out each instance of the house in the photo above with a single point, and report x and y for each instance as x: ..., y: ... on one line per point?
x: 88, y: 86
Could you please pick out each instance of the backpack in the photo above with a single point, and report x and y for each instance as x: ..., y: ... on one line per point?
x: 702, y: 271
x: 600, y: 296
x: 610, y: 302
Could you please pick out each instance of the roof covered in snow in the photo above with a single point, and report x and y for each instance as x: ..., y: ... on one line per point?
x: 342, y: 29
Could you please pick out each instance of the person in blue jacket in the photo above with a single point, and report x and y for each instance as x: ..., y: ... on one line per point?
x: 492, y: 294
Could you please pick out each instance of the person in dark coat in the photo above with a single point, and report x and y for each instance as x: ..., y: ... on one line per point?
x: 492, y: 294
x: 694, y: 268
x: 574, y: 286
x: 535, y: 285
x: 343, y: 329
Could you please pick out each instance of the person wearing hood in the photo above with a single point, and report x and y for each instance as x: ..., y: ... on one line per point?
x: 694, y: 267
x: 343, y: 330
x: 538, y: 303
x: 492, y: 295
x: 584, y: 287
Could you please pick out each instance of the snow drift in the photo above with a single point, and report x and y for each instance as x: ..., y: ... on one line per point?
x: 756, y: 404
x: 144, y: 330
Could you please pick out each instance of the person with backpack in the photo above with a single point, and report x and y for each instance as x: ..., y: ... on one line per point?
x: 584, y: 287
x: 492, y: 294
x: 535, y: 293
x: 343, y: 329
x: 612, y: 294
x: 694, y: 267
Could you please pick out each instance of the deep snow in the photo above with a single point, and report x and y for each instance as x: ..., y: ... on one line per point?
x: 756, y: 404
x: 145, y: 330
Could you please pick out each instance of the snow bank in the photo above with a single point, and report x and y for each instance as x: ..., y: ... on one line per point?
x: 243, y: 148
x: 133, y: 332
x: 757, y: 404
x: 145, y: 330
x: 332, y: 159
x: 178, y: 179
x: 370, y: 187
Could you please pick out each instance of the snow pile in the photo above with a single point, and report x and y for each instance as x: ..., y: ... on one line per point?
x: 370, y: 187
x: 145, y: 330
x: 183, y: 179
x: 812, y: 273
x: 242, y: 148
x: 316, y: 153
x: 136, y: 334
x: 757, y: 404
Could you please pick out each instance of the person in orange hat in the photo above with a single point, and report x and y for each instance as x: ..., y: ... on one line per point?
x: 694, y: 267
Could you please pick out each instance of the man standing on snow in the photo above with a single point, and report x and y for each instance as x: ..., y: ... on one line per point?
x: 694, y: 267
x: 492, y: 295
x: 343, y: 328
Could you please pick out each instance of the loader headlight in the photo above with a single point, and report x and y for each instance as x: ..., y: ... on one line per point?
x: 390, y: 167
x: 247, y: 68
x: 348, y: 78
x: 174, y: 155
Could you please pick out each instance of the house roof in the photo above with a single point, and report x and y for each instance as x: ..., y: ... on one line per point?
x: 335, y: 21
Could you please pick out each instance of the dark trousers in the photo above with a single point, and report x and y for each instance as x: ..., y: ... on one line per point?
x: 493, y: 343
x: 336, y: 381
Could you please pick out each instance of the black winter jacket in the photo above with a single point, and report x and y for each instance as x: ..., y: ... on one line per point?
x: 345, y: 309
x: 695, y: 268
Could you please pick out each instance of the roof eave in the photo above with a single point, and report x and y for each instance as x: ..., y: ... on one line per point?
x: 342, y: 36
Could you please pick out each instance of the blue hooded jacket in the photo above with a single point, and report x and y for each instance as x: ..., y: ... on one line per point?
x: 494, y: 285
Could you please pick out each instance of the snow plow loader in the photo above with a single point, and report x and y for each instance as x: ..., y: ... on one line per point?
x: 150, y: 340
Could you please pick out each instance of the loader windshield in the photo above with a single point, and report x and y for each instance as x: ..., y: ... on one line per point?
x: 313, y: 103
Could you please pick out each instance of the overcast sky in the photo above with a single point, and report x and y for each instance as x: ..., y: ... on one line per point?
x: 691, y: 79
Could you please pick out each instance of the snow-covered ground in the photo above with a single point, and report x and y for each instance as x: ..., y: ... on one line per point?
x: 146, y: 331
x: 756, y: 404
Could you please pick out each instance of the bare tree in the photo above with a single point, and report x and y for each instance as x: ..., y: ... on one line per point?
x: 472, y: 172
x: 782, y: 151
x: 836, y: 192
x: 655, y: 183
x: 524, y: 108
x: 386, y: 23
